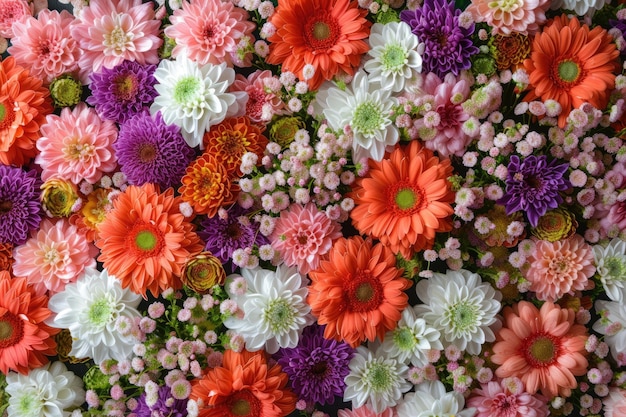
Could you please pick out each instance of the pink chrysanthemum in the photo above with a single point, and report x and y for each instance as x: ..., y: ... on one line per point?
x: 208, y: 31
x: 54, y: 256
x: 77, y: 145
x: 560, y: 267
x: 507, y: 17
x: 111, y: 31
x: 10, y: 12
x: 44, y: 45
x: 259, y: 97
x: 302, y: 235
x: 615, y: 403
x: 507, y: 398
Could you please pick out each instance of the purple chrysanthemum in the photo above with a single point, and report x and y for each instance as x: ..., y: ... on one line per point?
x: 148, y: 150
x: 224, y: 236
x: 621, y: 26
x: 448, y: 46
x: 121, y: 92
x: 176, y: 408
x: 317, y: 366
x: 20, y: 209
x: 533, y: 186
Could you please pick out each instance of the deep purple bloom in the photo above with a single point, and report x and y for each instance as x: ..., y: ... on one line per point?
x: 223, y: 237
x: 20, y: 209
x: 317, y: 366
x: 621, y: 26
x: 121, y: 92
x: 148, y: 150
x: 533, y: 186
x: 178, y: 408
x: 448, y: 45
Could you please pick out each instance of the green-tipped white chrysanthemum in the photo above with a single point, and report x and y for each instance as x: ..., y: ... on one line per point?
x: 90, y: 309
x: 611, y: 268
x: 274, y: 309
x: 411, y: 340
x: 395, y: 55
x: 49, y: 391
x: 461, y: 307
x: 375, y: 380
x: 195, y: 97
x: 431, y: 399
x: 365, y: 109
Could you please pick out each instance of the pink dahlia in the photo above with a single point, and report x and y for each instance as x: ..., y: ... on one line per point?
x: 10, y: 12
x: 208, y: 31
x: 615, y: 403
x: 54, y: 256
x: 263, y: 103
x: 302, y: 235
x: 111, y: 31
x: 76, y: 146
x: 560, y: 267
x: 442, y: 131
x: 507, y: 398
x: 507, y: 17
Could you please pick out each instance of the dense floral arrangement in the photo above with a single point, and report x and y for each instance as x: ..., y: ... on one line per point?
x: 348, y: 208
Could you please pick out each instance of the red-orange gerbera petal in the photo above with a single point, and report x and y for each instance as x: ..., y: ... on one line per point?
x: 25, y: 340
x: 330, y: 35
x: 244, y: 386
x: 145, y: 241
x: 358, y: 291
x: 405, y: 199
x: 572, y: 64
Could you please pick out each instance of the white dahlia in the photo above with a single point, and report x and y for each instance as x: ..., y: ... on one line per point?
x: 431, y: 399
x: 611, y: 268
x: 612, y: 324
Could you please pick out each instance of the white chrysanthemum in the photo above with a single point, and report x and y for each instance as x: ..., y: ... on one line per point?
x: 366, y: 110
x: 580, y: 7
x: 612, y: 324
x: 611, y: 268
x: 411, y: 340
x: 49, y: 391
x: 461, y: 307
x: 89, y: 308
x: 194, y: 97
x: 375, y: 380
x: 395, y: 55
x: 431, y: 399
x: 274, y: 307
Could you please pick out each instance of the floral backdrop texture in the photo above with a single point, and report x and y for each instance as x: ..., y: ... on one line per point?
x: 312, y: 207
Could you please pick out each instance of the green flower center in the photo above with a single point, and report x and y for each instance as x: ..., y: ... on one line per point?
x: 406, y: 199
x: 379, y: 377
x: 187, y: 90
x: 6, y: 116
x: 368, y: 118
x: 279, y: 315
x: 65, y: 91
x: 244, y: 404
x: 146, y: 240
x: 364, y: 292
x: 463, y: 317
x: 100, y: 312
x: 404, y: 339
x: 541, y: 351
x: 29, y: 404
x: 3, y: 112
x: 393, y: 58
x: 11, y: 330
x: 321, y: 31
x: 568, y: 71
x: 615, y: 267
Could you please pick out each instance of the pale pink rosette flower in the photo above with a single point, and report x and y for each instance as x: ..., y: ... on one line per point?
x: 208, y: 31
x: 76, y: 146
x: 54, y: 256
x: 260, y: 97
x: 507, y: 398
x: 44, y: 45
x: 111, y: 31
x: 560, y: 267
x: 302, y: 235
x: 10, y: 12
x: 507, y: 17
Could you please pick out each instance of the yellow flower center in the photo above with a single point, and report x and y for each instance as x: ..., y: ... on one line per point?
x: 568, y: 71
x: 321, y: 32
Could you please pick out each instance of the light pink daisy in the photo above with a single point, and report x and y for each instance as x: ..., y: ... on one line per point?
x: 507, y: 398
x: 560, y: 267
x: 76, y: 146
x: 44, y: 45
x: 259, y: 96
x: 111, y: 31
x: 10, y: 12
x: 302, y: 235
x: 522, y: 16
x: 54, y: 256
x: 365, y: 411
x: 208, y: 31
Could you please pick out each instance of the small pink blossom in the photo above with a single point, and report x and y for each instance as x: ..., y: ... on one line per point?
x: 495, y: 399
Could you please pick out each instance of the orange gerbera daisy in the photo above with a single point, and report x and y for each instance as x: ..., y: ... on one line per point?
x: 572, y: 64
x: 330, y: 35
x: 232, y: 138
x: 145, y: 241
x: 544, y: 348
x: 25, y: 340
x: 207, y: 185
x: 405, y: 199
x: 24, y: 104
x: 244, y: 386
x: 358, y: 291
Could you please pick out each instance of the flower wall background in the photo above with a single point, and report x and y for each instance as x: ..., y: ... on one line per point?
x: 312, y: 207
